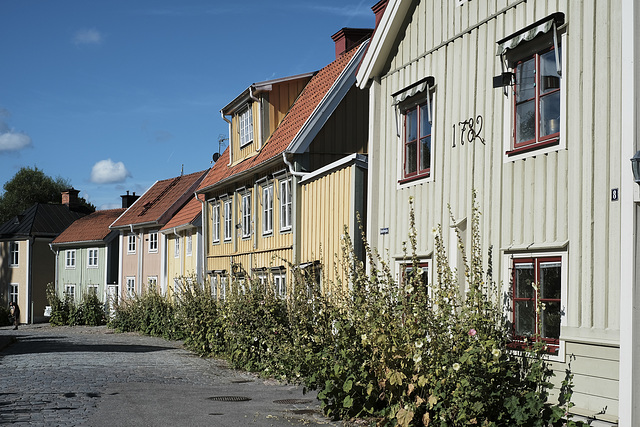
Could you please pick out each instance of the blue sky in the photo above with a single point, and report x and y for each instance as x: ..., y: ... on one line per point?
x: 114, y: 95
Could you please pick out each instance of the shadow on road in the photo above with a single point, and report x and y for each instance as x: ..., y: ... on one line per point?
x: 57, y: 344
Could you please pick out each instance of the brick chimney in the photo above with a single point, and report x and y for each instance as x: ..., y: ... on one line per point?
x: 347, y: 38
x: 70, y: 197
x: 378, y: 10
x: 128, y: 199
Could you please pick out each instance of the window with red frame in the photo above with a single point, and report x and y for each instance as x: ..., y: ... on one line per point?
x: 537, y: 281
x: 537, y: 100
x: 409, y: 274
x: 417, y: 142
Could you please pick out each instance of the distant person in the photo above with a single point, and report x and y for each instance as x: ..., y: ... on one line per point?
x: 14, y: 315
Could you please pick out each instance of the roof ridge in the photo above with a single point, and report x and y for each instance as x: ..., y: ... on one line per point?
x: 150, y: 204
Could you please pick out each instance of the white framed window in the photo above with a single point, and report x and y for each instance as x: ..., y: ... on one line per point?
x: 419, y: 275
x: 92, y: 257
x: 131, y: 286
x: 224, y: 281
x: 13, y: 292
x: 92, y: 290
x: 153, y: 242
x: 536, y: 96
x: 214, y: 286
x: 176, y: 247
x: 280, y: 282
x: 267, y: 209
x: 70, y: 291
x: 152, y: 281
x: 537, y: 295
x: 215, y: 223
x: 285, y: 205
x: 131, y: 244
x: 188, y: 244
x: 246, y: 126
x: 416, y: 141
x: 228, y: 220
x: 246, y: 215
x: 14, y: 254
x: 70, y: 258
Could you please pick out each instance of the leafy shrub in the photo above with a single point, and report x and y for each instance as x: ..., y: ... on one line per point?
x: 400, y: 353
x: 149, y: 313
x: 66, y: 312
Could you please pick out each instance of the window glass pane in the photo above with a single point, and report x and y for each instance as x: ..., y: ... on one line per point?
x: 524, y: 279
x: 425, y: 126
x: 525, y: 318
x: 551, y: 320
x: 410, y: 158
x: 526, y: 80
x: 525, y: 121
x: 425, y: 153
x: 550, y: 280
x: 550, y: 79
x: 411, y: 124
x: 550, y: 114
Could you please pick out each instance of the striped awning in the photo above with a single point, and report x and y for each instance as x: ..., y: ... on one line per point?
x: 529, y: 33
x: 414, y: 89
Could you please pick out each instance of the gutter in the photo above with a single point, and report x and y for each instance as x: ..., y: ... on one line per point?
x: 230, y: 148
x: 55, y: 278
x: 200, y: 272
x: 291, y: 169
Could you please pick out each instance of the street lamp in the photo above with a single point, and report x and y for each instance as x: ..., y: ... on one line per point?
x: 635, y: 167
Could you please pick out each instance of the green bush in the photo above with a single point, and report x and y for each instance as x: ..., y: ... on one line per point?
x: 66, y: 312
x: 149, y: 313
x: 399, y: 353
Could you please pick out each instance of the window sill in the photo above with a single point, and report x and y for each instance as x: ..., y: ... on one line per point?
x: 533, y: 147
x: 414, y: 178
x: 285, y: 230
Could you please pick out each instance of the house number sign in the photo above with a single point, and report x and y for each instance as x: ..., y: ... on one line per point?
x: 469, y: 131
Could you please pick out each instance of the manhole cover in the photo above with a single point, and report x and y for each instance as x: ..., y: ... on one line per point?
x: 229, y: 398
x: 216, y: 413
x: 304, y: 411
x: 293, y: 401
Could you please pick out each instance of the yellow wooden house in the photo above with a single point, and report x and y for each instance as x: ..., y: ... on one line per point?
x: 285, y: 136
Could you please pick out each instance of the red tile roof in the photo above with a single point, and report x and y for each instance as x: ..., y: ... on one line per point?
x: 186, y: 215
x: 161, y: 201
x: 298, y: 114
x: 91, y: 228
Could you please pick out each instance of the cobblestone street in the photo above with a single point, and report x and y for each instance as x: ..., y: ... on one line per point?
x: 85, y: 376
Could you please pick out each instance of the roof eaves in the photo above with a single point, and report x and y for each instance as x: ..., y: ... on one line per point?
x: 382, y: 41
x: 327, y: 105
x: 242, y: 174
x: 264, y: 86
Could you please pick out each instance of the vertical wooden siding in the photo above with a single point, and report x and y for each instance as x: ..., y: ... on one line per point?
x: 327, y: 208
x: 544, y: 200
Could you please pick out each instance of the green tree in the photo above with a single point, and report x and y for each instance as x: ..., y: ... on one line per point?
x: 29, y: 186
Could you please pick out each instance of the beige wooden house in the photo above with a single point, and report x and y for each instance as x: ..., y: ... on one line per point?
x: 528, y: 103
x: 282, y: 133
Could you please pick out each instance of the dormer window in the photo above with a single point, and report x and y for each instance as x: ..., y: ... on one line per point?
x: 246, y: 126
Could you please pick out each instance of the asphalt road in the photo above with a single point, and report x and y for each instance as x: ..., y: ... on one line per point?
x: 84, y: 376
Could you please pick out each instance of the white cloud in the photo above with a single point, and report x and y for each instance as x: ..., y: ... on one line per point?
x: 109, y: 172
x: 88, y: 37
x: 14, y: 141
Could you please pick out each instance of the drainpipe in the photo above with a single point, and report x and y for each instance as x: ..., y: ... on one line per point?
x: 200, y: 272
x: 291, y: 168
x: 55, y: 280
x: 259, y: 133
x: 295, y: 207
x: 29, y: 316
x: 230, y: 139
